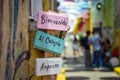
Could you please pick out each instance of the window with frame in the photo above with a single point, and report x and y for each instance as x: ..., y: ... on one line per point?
x: 34, y: 7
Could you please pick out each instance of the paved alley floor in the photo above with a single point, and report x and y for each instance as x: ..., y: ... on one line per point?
x: 75, y: 70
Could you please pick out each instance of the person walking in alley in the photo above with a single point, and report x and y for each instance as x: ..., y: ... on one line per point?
x: 75, y: 47
x: 86, y: 45
x: 97, y: 54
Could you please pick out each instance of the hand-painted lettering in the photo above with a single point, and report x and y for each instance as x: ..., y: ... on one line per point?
x: 48, y: 67
x: 41, y: 38
x: 45, y: 19
x: 52, y: 41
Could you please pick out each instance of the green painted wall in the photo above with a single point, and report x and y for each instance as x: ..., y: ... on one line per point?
x: 108, y: 13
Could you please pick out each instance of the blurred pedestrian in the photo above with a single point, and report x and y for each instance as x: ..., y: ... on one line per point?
x: 66, y: 45
x: 86, y: 45
x: 106, y: 52
x: 75, y: 47
x: 97, y: 53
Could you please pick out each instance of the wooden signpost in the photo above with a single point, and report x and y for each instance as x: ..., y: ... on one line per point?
x: 48, y: 66
x: 53, y: 31
x: 46, y: 42
x: 50, y: 42
x: 17, y: 54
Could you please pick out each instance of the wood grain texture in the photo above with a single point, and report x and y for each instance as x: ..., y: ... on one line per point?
x: 1, y: 28
x: 35, y: 53
x: 50, y: 55
x: 21, y: 40
x: 5, y: 50
x: 46, y: 7
x: 14, y: 41
x: 17, y: 55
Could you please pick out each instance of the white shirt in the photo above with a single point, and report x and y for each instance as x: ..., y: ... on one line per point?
x: 95, y: 40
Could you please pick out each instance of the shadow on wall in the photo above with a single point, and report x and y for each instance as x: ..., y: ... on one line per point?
x: 110, y: 78
x: 78, y: 78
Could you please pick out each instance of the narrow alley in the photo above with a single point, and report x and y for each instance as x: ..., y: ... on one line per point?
x: 59, y: 39
x: 75, y: 69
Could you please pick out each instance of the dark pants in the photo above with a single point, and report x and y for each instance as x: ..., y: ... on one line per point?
x: 97, y: 59
x: 87, y: 58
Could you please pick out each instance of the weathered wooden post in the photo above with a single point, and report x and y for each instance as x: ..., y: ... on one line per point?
x: 17, y: 55
x: 14, y: 40
x: 53, y: 32
x: 35, y: 53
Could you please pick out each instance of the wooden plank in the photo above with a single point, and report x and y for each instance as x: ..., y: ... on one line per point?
x: 35, y: 53
x: 15, y: 47
x: 54, y: 33
x: 49, y: 55
x: 1, y: 28
x: 6, y: 40
x: 2, y: 24
x: 52, y: 21
x: 48, y: 66
x: 49, y: 43
x: 21, y: 38
x: 46, y: 7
